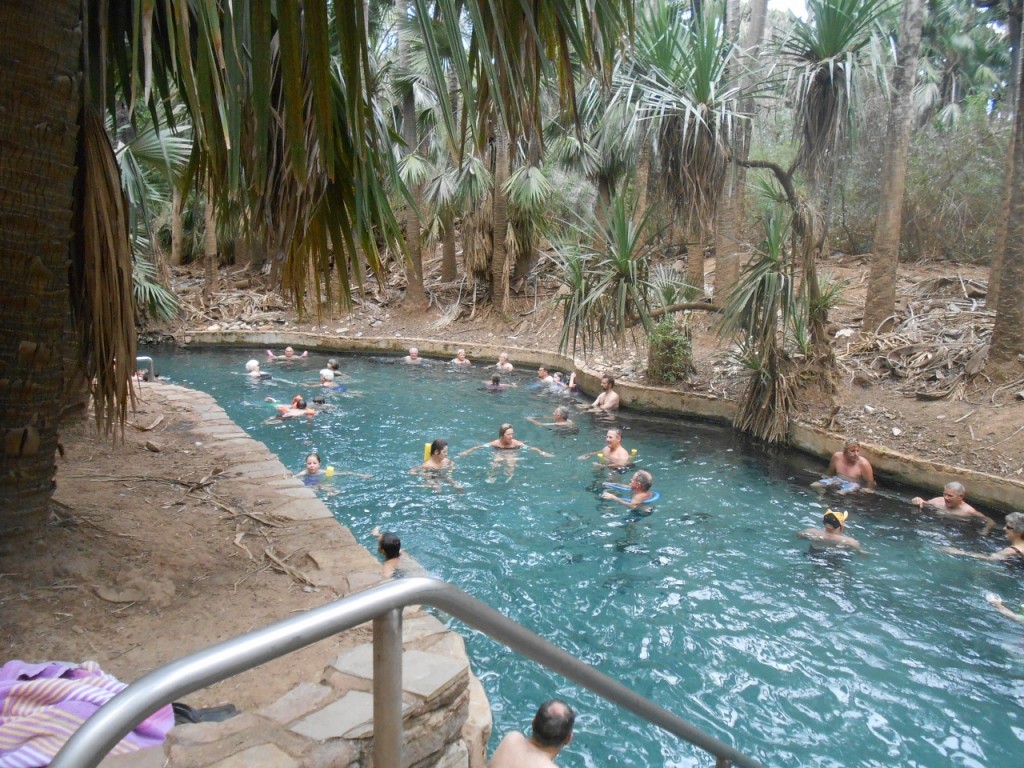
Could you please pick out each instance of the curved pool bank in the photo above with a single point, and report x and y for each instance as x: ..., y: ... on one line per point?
x: 990, y: 490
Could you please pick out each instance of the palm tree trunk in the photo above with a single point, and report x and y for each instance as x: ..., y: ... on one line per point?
x: 695, y: 262
x: 177, y: 228
x: 1008, y: 331
x: 1003, y: 220
x: 642, y: 179
x: 209, y: 246
x: 39, y: 106
x: 415, y: 296
x: 499, y: 253
x: 732, y: 216
x: 449, y: 267
x: 881, y: 293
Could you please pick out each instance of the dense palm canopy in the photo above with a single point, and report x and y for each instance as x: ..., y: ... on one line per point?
x: 292, y: 123
x: 280, y: 96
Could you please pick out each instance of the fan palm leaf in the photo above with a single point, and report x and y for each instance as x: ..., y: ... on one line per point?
x: 826, y: 49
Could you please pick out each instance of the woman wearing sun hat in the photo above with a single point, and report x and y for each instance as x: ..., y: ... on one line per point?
x: 834, y: 522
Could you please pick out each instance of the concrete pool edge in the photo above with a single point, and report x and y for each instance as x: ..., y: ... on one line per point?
x: 983, y: 488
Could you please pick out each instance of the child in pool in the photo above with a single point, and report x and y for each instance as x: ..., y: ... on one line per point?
x: 312, y: 475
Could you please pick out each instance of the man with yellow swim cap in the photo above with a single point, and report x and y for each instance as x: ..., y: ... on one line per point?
x: 834, y: 522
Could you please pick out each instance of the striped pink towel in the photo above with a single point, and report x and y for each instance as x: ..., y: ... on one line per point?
x: 41, y: 705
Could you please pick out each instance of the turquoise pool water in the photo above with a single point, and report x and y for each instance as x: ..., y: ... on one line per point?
x: 709, y: 606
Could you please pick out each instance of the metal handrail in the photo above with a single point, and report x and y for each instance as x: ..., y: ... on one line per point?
x: 382, y: 605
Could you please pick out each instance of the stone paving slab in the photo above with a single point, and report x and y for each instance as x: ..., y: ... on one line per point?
x: 350, y: 717
x: 262, y: 756
x: 423, y: 674
x: 258, y: 470
x: 302, y: 509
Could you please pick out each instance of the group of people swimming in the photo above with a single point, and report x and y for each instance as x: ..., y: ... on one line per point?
x: 851, y: 473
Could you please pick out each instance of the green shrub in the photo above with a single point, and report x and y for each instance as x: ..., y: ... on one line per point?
x: 669, y: 356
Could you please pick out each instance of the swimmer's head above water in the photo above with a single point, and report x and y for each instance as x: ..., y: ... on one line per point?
x: 390, y: 545
x: 834, y: 519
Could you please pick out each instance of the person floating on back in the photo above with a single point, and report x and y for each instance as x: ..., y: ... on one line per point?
x: 833, y: 534
x: 847, y: 472
x: 951, y: 505
x: 550, y: 734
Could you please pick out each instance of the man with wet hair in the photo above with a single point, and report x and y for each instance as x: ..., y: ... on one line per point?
x: 951, y: 505
x: 551, y: 732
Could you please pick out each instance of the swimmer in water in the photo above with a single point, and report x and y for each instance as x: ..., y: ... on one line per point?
x: 951, y: 505
x: 289, y: 354
x: 495, y: 384
x: 413, y: 357
x: 396, y: 562
x: 460, y: 359
x: 639, y: 488
x: 335, y: 368
x: 438, y: 467
x: 613, y: 454
x: 296, y: 410
x: 833, y: 533
x: 561, y: 423
x: 312, y: 475
x: 848, y: 472
x: 506, y: 453
x: 252, y: 368
x: 503, y: 363
x: 506, y: 442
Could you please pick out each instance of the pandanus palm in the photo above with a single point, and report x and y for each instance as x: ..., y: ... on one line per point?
x: 827, y: 51
x: 680, y: 73
x: 280, y: 95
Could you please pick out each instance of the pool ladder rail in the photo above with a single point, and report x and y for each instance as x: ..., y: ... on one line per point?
x: 383, y: 606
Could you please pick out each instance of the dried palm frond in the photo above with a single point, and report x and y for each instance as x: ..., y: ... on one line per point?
x: 101, y: 277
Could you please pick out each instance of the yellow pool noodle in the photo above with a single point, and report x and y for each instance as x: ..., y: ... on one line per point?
x: 329, y: 472
x: 426, y: 452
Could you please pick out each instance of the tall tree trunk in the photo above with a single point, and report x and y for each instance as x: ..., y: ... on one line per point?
x: 1013, y: 33
x: 209, y: 246
x: 733, y: 212
x: 499, y: 219
x: 177, y: 227
x: 39, y: 105
x: 1003, y: 220
x: 880, y: 300
x: 449, y: 266
x: 1008, y: 332
x: 642, y: 179
x: 695, y: 262
x: 415, y: 297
